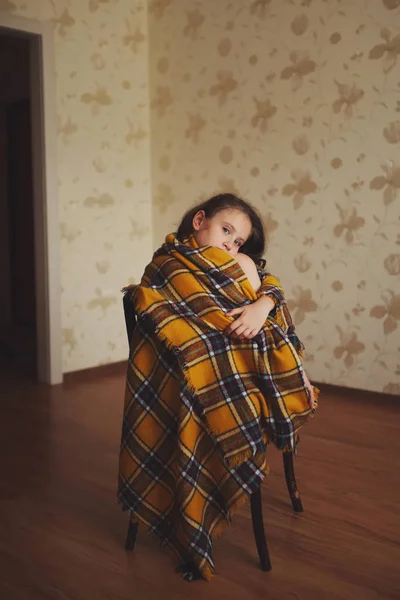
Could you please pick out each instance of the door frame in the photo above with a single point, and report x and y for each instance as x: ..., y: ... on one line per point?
x: 45, y: 192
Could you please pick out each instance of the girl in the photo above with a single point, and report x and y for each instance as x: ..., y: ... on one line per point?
x: 232, y: 224
x: 214, y: 375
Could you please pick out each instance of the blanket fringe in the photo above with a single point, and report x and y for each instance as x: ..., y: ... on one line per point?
x: 207, y: 571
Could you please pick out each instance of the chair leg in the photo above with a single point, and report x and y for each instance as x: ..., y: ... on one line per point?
x: 259, y: 533
x: 291, y: 482
x: 189, y: 571
x: 131, y: 535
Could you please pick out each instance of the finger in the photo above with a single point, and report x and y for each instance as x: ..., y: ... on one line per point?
x: 233, y: 326
x: 312, y: 398
x: 235, y: 311
x: 253, y: 333
x: 244, y: 334
x: 247, y: 333
x: 236, y: 335
x: 238, y: 332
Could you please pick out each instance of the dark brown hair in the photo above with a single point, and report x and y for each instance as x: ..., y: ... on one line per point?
x: 253, y: 247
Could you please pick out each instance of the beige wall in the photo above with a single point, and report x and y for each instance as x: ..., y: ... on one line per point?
x: 103, y: 165
x: 295, y: 105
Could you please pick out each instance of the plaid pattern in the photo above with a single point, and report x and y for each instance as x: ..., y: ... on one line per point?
x: 200, y: 407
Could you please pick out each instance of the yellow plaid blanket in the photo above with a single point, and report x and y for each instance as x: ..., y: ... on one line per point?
x: 200, y: 406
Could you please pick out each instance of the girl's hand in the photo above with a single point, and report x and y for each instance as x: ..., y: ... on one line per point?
x: 310, y: 390
x: 250, y: 319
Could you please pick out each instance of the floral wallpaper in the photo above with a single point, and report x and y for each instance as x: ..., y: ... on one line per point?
x: 103, y: 158
x: 295, y: 105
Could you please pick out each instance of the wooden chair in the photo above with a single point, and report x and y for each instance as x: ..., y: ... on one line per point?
x: 255, y: 499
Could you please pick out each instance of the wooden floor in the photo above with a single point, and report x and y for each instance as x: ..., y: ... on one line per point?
x: 62, y: 533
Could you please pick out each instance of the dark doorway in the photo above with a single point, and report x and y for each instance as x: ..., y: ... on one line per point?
x: 17, y: 247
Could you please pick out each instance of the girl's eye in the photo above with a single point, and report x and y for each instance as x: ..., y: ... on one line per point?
x: 226, y: 230
x: 237, y: 243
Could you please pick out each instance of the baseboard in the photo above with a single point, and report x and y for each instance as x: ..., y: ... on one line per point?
x: 356, y: 393
x: 117, y: 369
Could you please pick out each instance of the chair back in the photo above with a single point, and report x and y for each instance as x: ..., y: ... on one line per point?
x: 129, y: 313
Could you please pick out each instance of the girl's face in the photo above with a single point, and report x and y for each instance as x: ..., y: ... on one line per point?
x: 228, y: 230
